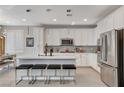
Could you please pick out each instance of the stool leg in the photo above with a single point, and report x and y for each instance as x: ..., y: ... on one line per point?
x: 17, y: 82
x: 28, y: 70
x: 60, y: 76
x: 48, y: 79
x: 63, y: 77
x: 75, y: 77
x: 15, y: 75
x: 45, y: 76
x: 34, y: 80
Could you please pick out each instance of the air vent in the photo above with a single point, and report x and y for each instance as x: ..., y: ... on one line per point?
x: 28, y: 10
x: 68, y: 10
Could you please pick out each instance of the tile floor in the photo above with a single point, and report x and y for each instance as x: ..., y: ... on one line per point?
x: 86, y: 77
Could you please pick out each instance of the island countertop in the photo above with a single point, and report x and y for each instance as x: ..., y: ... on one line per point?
x: 45, y: 57
x: 55, y: 59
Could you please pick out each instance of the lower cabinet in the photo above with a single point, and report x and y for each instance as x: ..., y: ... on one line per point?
x: 92, y: 61
x: 81, y: 59
x: 87, y: 59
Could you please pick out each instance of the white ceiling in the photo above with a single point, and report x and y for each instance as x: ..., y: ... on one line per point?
x: 13, y: 15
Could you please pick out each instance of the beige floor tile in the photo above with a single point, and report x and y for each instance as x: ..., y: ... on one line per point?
x: 86, y: 77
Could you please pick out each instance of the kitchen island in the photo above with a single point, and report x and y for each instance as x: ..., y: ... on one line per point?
x: 33, y: 59
x: 55, y: 59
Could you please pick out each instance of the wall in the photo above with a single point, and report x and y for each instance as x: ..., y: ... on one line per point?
x: 16, y: 39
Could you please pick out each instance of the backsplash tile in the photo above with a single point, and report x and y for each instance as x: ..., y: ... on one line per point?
x: 73, y: 49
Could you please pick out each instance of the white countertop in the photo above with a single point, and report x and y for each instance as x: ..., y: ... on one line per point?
x: 45, y: 57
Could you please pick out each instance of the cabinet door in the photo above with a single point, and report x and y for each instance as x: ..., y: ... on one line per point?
x: 56, y: 37
x: 53, y: 37
x: 84, y: 37
x: 49, y: 39
x: 78, y: 38
x: 91, y: 38
x: 119, y: 18
x: 78, y: 60
x: 92, y: 61
x: 84, y: 59
x: 15, y: 41
x: 109, y: 24
x: 19, y: 40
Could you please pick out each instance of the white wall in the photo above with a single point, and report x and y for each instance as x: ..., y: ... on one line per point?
x: 37, y: 34
x: 16, y: 40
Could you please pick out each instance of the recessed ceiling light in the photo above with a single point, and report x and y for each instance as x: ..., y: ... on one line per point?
x: 85, y: 20
x: 73, y: 23
x: 54, y: 19
x: 24, y: 20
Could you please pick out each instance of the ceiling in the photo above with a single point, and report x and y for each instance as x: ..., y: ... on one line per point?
x: 53, y: 14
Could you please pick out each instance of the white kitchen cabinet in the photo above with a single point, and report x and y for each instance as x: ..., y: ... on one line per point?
x: 15, y: 41
x: 78, y: 38
x: 92, y: 61
x: 53, y: 37
x: 91, y: 38
x: 119, y: 18
x: 81, y: 37
x: 84, y: 37
x: 81, y: 59
x: 110, y: 22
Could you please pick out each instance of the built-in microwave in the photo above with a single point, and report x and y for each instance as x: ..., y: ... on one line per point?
x: 67, y: 42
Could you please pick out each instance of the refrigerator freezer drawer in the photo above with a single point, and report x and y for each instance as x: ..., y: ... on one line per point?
x: 109, y: 75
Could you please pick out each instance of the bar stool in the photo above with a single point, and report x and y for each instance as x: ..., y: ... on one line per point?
x: 23, y: 67
x: 69, y: 68
x: 55, y: 68
x: 38, y: 70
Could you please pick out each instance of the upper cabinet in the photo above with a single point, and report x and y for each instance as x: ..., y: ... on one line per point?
x: 91, y: 38
x: 119, y: 18
x: 52, y: 37
x: 78, y: 38
x: 81, y: 37
x: 115, y: 20
x: 14, y: 41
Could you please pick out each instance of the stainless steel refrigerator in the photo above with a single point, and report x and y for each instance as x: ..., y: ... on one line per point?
x: 112, y: 58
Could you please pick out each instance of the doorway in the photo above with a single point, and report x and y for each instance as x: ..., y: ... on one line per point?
x: 2, y: 45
